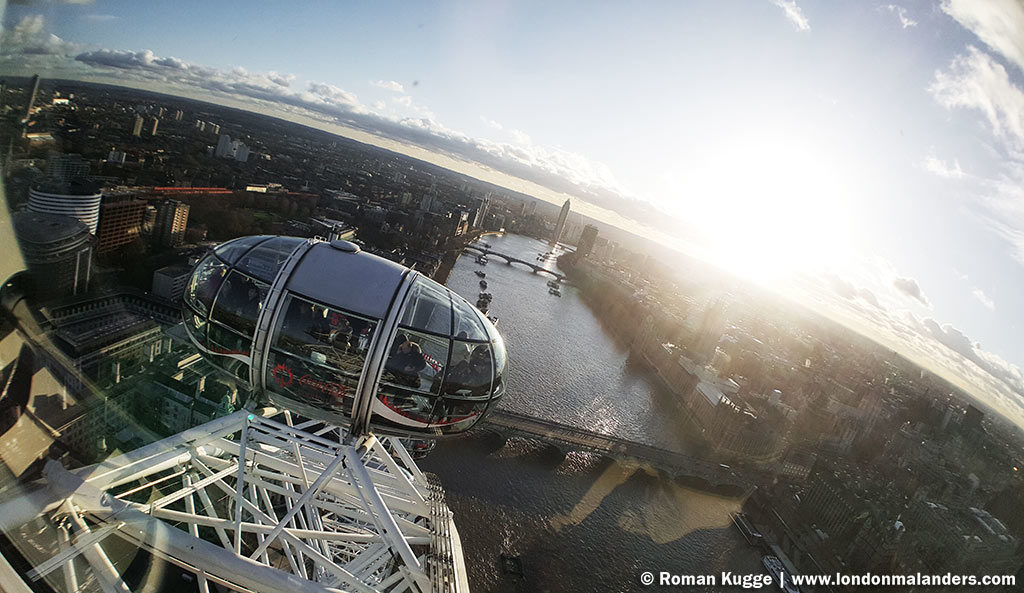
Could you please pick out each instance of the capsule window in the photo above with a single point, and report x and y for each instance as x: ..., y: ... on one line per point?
x: 232, y: 250
x: 428, y: 308
x: 311, y: 384
x: 324, y: 335
x: 196, y: 326
x: 453, y: 414
x: 264, y: 261
x: 470, y: 372
x: 226, y: 342
x: 500, y: 365
x: 416, y: 361
x: 205, y: 281
x: 468, y: 325
x: 239, y: 302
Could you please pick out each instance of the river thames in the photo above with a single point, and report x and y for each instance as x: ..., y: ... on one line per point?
x: 579, y: 522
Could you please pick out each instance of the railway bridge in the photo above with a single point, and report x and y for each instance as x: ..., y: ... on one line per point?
x: 513, y: 260
x: 696, y: 471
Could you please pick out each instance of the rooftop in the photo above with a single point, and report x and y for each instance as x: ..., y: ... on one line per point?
x: 44, y: 229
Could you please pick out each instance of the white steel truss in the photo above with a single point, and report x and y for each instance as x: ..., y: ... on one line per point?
x: 254, y: 502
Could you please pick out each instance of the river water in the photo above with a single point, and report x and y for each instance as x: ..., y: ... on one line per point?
x: 579, y: 522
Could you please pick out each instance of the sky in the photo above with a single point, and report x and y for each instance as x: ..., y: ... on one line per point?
x: 865, y: 158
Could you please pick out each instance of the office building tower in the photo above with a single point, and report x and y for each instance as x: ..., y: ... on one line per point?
x: 160, y: 112
x: 77, y: 199
x: 65, y: 168
x: 231, y: 149
x: 137, y: 127
x: 57, y: 252
x: 156, y: 122
x: 560, y: 225
x: 481, y: 212
x: 223, y: 146
x: 115, y: 156
x: 178, y: 115
x: 587, y: 240
x: 120, y: 221
x: 33, y: 91
x: 171, y: 221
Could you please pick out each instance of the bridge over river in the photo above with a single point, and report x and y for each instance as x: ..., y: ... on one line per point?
x: 514, y: 260
x: 690, y: 470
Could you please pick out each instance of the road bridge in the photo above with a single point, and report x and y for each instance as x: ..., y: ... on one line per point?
x: 514, y: 260
x: 700, y: 471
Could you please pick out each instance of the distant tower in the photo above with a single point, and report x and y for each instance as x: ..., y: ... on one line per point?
x: 711, y: 329
x: 34, y: 86
x: 137, y: 129
x: 564, y: 214
x: 3, y: 92
x: 156, y: 122
x: 587, y: 240
x: 178, y: 115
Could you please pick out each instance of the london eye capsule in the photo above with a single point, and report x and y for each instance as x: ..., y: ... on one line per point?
x: 340, y: 335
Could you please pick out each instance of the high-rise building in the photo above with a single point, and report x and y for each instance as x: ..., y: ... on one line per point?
x: 482, y: 204
x: 231, y: 149
x: 33, y: 91
x: 223, y: 146
x: 178, y: 115
x: 116, y: 157
x: 560, y: 226
x: 427, y: 203
x: 65, y: 168
x: 171, y: 221
x: 57, y: 251
x: 137, y: 127
x: 587, y: 240
x: 77, y: 199
x: 120, y: 221
x: 156, y: 122
x: 149, y: 220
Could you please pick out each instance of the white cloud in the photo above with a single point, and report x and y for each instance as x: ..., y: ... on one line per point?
x: 976, y: 81
x: 937, y: 166
x: 997, y: 23
x: 29, y: 37
x: 389, y: 85
x: 101, y: 18
x: 984, y: 299
x: 556, y: 168
x: 794, y: 14
x: 520, y: 136
x: 910, y: 288
x: 490, y: 122
x: 901, y: 13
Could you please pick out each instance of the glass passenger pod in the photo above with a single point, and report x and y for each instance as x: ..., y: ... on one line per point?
x: 226, y: 294
x: 440, y: 367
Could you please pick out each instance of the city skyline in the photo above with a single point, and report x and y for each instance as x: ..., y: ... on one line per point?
x: 877, y: 146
